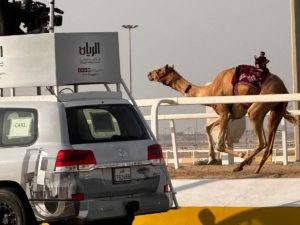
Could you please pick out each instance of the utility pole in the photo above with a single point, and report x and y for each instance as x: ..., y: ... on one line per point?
x: 130, y: 27
x: 295, y: 33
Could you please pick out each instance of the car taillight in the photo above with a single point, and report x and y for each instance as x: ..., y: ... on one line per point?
x: 70, y: 159
x: 155, y: 153
x: 77, y: 197
x: 166, y: 188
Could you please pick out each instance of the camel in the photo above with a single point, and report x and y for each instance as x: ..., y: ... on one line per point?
x: 222, y: 86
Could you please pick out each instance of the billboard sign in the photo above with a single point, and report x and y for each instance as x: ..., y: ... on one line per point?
x: 59, y: 59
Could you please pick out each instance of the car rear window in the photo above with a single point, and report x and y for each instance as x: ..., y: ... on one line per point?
x: 103, y: 123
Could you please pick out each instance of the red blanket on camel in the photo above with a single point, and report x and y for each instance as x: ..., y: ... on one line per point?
x: 249, y: 75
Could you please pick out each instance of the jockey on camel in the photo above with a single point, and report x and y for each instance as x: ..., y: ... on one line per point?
x: 261, y: 62
x: 250, y: 75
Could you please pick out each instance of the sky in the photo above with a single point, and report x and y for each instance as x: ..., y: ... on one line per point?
x: 200, y: 37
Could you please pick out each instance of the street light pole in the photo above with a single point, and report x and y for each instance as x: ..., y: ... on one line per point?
x: 130, y: 27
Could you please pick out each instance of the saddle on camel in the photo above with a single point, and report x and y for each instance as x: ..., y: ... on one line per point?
x: 241, y: 80
x: 250, y: 76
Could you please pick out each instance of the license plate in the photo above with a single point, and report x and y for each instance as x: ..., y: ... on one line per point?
x: 121, y: 175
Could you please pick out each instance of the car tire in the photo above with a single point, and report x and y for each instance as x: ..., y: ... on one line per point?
x: 12, y: 210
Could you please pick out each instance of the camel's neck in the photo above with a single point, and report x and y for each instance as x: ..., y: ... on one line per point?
x: 181, y: 85
x: 199, y: 91
x: 187, y: 88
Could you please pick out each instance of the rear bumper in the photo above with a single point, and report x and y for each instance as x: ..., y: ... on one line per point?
x: 106, y: 208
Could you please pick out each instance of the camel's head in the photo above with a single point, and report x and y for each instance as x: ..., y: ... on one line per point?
x: 160, y: 74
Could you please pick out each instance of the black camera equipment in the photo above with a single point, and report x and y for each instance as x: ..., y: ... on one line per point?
x: 37, y: 16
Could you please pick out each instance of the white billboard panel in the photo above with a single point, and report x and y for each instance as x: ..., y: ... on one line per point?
x: 87, y: 58
x: 59, y: 59
x: 27, y: 60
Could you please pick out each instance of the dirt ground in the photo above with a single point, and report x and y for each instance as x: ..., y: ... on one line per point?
x: 292, y: 170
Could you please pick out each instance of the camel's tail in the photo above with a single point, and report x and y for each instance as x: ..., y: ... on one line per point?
x: 289, y: 117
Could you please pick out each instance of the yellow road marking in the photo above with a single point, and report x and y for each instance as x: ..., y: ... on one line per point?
x: 223, y: 216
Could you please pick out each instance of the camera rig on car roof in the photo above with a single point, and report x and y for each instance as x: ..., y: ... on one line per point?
x: 35, y: 16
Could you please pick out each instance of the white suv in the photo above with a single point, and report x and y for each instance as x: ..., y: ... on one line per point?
x: 83, y: 155
x: 85, y: 158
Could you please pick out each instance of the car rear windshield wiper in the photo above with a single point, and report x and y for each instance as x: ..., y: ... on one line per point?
x: 124, y: 138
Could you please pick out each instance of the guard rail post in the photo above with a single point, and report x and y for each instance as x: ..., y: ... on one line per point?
x: 173, y: 137
x: 284, y: 142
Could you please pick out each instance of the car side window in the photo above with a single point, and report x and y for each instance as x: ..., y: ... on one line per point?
x: 19, y: 127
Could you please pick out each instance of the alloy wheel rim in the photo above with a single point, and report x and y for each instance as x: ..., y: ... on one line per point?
x: 7, y: 215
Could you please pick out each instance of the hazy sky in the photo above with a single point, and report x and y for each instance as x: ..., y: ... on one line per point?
x: 200, y: 37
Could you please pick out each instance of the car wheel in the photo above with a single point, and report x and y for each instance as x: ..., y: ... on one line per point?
x: 12, y: 211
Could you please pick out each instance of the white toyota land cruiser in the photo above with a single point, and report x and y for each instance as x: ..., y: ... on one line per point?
x: 83, y: 155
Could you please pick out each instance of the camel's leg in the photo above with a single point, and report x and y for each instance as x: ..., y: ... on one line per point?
x: 208, y: 129
x: 229, y: 145
x: 257, y: 113
x: 273, y: 122
x: 234, y: 153
x: 221, y: 146
x: 237, y: 111
x: 223, y: 119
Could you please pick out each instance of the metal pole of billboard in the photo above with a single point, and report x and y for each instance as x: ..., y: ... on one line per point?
x: 295, y: 33
x: 51, y: 30
x: 130, y: 27
x: 51, y: 17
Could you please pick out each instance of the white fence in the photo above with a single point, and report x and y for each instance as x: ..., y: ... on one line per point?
x: 155, y: 104
x: 194, y: 159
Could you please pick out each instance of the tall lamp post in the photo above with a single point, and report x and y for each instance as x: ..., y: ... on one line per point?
x: 130, y: 27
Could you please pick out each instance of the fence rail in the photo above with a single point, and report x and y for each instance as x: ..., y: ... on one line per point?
x: 191, y: 156
x: 155, y: 104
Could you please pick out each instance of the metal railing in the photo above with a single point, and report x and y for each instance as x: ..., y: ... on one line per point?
x: 155, y: 104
